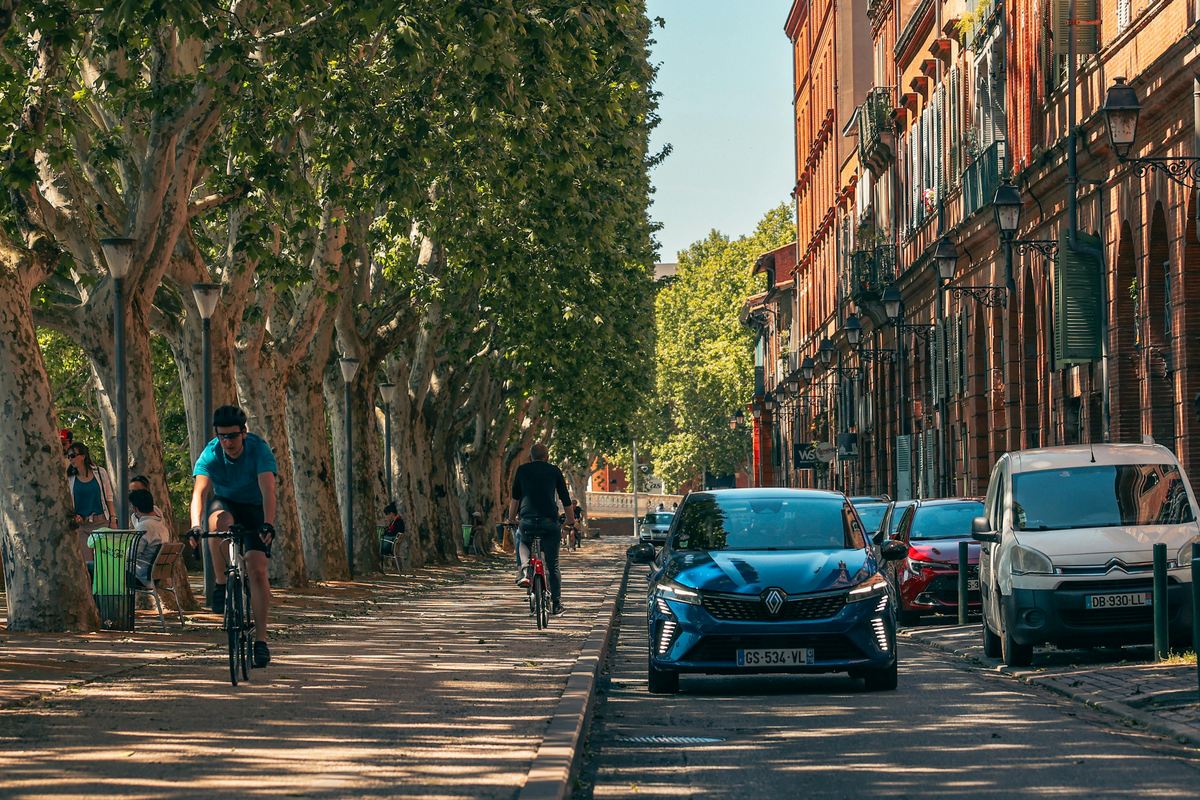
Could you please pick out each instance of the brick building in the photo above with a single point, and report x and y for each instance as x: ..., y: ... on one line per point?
x: 1085, y: 336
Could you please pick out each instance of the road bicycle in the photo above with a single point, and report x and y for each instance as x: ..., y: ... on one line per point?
x: 239, y: 620
x: 539, y: 586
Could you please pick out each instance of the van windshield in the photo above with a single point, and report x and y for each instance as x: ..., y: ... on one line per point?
x: 1100, y: 497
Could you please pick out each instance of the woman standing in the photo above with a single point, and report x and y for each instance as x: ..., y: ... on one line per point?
x: 92, y: 493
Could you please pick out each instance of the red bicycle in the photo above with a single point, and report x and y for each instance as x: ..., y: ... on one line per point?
x: 539, y: 585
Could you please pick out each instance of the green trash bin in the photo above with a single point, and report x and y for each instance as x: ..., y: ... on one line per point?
x: 113, y: 559
x: 466, y: 536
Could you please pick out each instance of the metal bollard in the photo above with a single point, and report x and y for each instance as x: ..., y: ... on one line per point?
x: 1162, y: 642
x: 962, y: 583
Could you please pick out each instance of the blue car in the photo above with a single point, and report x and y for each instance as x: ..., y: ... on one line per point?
x: 768, y: 580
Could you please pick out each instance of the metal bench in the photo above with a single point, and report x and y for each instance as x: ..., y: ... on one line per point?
x: 162, y: 578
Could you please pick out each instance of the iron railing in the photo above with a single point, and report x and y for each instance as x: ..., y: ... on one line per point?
x: 871, y: 270
x: 876, y: 129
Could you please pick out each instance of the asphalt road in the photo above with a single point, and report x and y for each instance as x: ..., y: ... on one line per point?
x: 948, y: 731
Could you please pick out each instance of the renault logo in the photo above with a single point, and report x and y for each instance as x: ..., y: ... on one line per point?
x: 773, y: 600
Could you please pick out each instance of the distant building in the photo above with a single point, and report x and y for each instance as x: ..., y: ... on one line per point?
x: 665, y: 272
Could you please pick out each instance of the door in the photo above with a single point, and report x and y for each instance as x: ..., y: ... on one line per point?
x: 991, y: 511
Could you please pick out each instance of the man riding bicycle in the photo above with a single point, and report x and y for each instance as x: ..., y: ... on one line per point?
x: 534, y: 491
x: 235, y: 484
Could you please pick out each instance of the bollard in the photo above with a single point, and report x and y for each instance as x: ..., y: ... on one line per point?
x: 963, y: 566
x: 1162, y: 642
x: 1196, y: 609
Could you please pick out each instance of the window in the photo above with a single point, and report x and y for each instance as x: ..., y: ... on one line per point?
x: 1103, y: 497
x: 947, y: 521
x: 1123, y: 14
x: 713, y: 522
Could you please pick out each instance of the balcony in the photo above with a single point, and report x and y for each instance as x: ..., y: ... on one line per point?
x: 876, y: 132
x: 981, y: 179
x: 870, y: 273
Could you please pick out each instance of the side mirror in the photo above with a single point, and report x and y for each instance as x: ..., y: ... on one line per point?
x: 893, y: 550
x: 642, y: 553
x: 981, y: 531
x: 877, y: 537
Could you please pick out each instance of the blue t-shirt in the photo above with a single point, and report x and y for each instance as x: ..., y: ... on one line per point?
x: 87, y: 497
x: 236, y: 479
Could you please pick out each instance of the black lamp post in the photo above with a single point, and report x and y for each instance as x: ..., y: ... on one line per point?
x: 118, y: 252
x: 1007, y: 207
x: 387, y: 391
x: 349, y: 367
x: 206, y: 295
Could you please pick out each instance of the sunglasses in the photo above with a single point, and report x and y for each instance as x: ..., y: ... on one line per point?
x: 73, y: 454
x: 229, y: 436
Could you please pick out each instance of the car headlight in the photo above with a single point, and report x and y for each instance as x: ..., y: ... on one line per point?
x: 1184, y: 557
x: 1026, y: 560
x: 673, y: 591
x: 871, y: 587
x: 917, y: 566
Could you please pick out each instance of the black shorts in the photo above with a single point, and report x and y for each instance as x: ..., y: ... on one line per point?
x: 247, y: 515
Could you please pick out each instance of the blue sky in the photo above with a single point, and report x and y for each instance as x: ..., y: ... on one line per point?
x: 725, y: 75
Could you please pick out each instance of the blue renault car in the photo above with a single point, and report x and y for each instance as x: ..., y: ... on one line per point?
x: 768, y: 580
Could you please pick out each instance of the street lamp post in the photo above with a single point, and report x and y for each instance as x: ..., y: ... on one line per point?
x: 206, y: 295
x: 388, y: 392
x: 349, y: 368
x: 756, y: 410
x: 118, y: 252
x: 945, y: 256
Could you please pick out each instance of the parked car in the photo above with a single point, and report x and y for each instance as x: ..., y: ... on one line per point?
x: 891, y: 519
x: 926, y: 580
x: 654, y: 526
x: 872, y: 515
x: 1068, y: 536
x: 768, y: 580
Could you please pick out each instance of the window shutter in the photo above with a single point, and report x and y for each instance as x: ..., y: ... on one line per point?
x: 930, y: 463
x: 1123, y: 14
x: 1077, y: 301
x: 904, y: 467
x: 918, y: 462
x: 936, y: 347
x: 940, y: 147
x: 1087, y: 36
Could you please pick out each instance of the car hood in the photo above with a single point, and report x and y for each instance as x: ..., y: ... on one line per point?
x: 945, y: 550
x: 752, y: 571
x: 1086, y: 546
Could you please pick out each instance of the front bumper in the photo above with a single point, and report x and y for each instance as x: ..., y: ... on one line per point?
x: 861, y: 635
x: 1059, y: 616
x: 936, y: 591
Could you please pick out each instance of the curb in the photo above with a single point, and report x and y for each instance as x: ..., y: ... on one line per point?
x: 1114, y: 708
x: 554, y: 765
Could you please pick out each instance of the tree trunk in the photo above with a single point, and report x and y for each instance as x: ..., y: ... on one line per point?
x: 312, y: 468
x: 47, y: 584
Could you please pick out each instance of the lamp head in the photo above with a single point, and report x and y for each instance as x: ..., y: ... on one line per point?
x: 945, y: 256
x: 891, y: 302
x: 825, y: 351
x: 853, y: 328
x: 1121, y: 109
x: 769, y: 403
x: 1007, y: 205
x: 349, y: 367
x: 118, y: 252
x: 207, y: 296
x: 807, y: 368
x: 388, y: 392
x: 757, y: 412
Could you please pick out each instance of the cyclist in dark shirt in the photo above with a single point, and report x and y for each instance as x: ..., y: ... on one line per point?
x: 537, y: 487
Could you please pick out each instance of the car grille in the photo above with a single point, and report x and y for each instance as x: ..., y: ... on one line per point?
x: 753, y: 609
x: 1084, y: 618
x: 945, y: 588
x: 826, y: 647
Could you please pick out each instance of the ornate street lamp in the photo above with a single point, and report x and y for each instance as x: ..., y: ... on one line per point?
x: 945, y: 255
x: 206, y: 295
x: 1121, y: 110
x: 1007, y: 207
x: 349, y: 367
x: 118, y: 252
x: 807, y: 368
x: 853, y: 329
x: 825, y: 352
x: 892, y: 302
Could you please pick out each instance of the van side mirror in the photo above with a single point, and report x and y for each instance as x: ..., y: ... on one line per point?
x: 981, y: 531
x: 642, y: 553
x: 893, y: 550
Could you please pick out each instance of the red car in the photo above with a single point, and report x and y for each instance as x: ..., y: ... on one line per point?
x: 926, y: 582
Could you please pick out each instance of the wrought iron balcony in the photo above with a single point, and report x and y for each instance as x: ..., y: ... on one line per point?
x: 871, y: 271
x: 876, y: 130
x: 981, y: 179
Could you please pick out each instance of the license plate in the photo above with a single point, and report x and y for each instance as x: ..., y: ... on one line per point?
x: 972, y: 585
x: 775, y: 658
x: 1128, y: 600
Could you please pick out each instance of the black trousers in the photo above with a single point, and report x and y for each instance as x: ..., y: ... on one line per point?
x: 547, y: 530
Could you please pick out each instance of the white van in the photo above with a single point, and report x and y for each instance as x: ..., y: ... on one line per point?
x: 1067, y: 556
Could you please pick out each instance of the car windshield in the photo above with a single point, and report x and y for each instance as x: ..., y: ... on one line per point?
x: 944, y: 521
x: 1100, y: 497
x: 782, y: 522
x: 659, y: 518
x: 871, y: 515
x: 897, y: 516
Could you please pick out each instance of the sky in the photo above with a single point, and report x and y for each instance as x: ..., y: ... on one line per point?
x: 726, y: 80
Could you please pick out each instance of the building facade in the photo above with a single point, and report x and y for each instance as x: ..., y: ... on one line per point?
x: 1074, y: 327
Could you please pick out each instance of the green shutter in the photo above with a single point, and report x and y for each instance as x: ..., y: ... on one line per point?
x: 1087, y: 36
x: 904, y: 467
x: 1077, y: 301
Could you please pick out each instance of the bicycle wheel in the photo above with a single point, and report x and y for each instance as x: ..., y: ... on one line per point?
x: 247, y: 629
x: 538, y: 599
x: 545, y: 606
x: 233, y: 625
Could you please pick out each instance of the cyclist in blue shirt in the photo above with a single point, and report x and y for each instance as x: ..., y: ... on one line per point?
x: 235, y: 483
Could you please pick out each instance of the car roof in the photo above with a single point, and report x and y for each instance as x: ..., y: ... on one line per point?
x: 1083, y: 455
x: 772, y: 493
x: 944, y: 501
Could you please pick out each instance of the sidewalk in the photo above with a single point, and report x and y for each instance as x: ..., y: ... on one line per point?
x: 1125, y: 682
x: 438, y: 687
